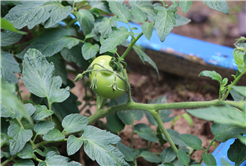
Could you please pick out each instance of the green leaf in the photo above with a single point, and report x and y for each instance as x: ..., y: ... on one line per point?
x: 237, y: 152
x: 153, y: 158
x: 240, y: 89
x: 164, y: 22
x: 236, y: 96
x: 223, y: 132
x: 51, y: 149
x: 145, y: 58
x: 30, y: 108
x: 97, y: 145
x: 55, y: 159
x: 147, y: 29
x: 36, y: 12
x: 5, y: 24
x: 224, y: 115
x: 145, y: 132
x: 185, y: 5
x: 39, y: 152
x: 105, y: 26
x: 220, y: 5
x: 89, y: 50
x: 167, y: 155
x: 9, y: 38
x: 53, y: 135
x: 27, y: 152
x: 26, y: 162
x: 19, y: 136
x: 180, y: 20
x: 102, y: 5
x: 138, y: 14
x: 188, y: 118
x: 192, y: 140
x: 128, y: 116
x: 51, y: 42
x: 127, y: 152
x: 115, y: 38
x: 114, y: 123
x: 43, y: 127
x: 39, y: 79
x: 238, y: 57
x: 60, y: 68
x: 183, y: 157
x: 209, y: 159
x: 86, y: 20
x: 8, y: 67
x: 176, y: 137
x: 74, y: 122
x: 212, y: 74
x: 41, y: 112
x: 120, y: 10
x: 73, y: 144
x: 4, y: 139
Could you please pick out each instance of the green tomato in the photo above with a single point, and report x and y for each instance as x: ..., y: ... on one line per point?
x: 105, y: 83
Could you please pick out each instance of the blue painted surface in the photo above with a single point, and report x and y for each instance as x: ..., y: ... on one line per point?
x: 211, y: 53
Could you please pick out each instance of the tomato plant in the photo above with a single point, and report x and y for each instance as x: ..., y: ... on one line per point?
x: 38, y: 49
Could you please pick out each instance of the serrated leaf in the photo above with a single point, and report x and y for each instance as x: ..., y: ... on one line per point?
x: 240, y: 89
x: 237, y: 152
x: 60, y: 68
x: 220, y: 5
x: 27, y: 152
x: 175, y: 136
x: 236, y: 96
x: 41, y: 112
x: 102, y: 5
x: 8, y: 67
x: 164, y: 22
x: 145, y: 132
x: 43, y: 127
x: 53, y: 135
x: 74, y: 122
x: 73, y: 144
x: 105, y: 26
x: 86, y: 20
x: 183, y: 157
x: 145, y: 58
x: 146, y: 7
x: 120, y: 10
x: 185, y: 5
x: 167, y: 155
x: 147, y: 29
x: 224, y: 115
x: 19, y: 138
x: 238, y: 57
x: 55, y: 159
x: 26, y: 162
x: 129, y: 116
x: 224, y: 82
x: 153, y: 158
x: 39, y: 79
x: 209, y: 159
x: 138, y: 14
x: 97, y: 145
x: 115, y: 38
x: 5, y: 24
x: 128, y: 152
x: 51, y: 42
x: 223, y: 132
x: 211, y: 74
x: 180, y: 20
x: 36, y: 12
x: 9, y: 38
x: 89, y: 50
x: 192, y: 140
x: 114, y: 123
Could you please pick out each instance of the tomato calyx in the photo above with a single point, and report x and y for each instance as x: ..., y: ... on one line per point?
x: 94, y: 83
x: 116, y: 64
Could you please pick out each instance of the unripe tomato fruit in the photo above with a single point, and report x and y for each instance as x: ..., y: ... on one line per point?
x: 106, y: 79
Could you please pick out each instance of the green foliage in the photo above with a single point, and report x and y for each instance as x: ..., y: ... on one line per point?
x: 192, y: 140
x: 150, y: 157
x: 183, y: 157
x: 74, y: 122
x: 237, y: 148
x: 220, y: 5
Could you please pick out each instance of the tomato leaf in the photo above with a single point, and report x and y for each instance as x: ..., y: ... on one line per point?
x: 25, y: 162
x: 153, y: 158
x: 86, y: 20
x: 19, y: 138
x: 115, y: 38
x: 180, y: 20
x: 176, y: 137
x: 97, y: 145
x: 102, y: 5
x: 27, y: 152
x: 192, y: 140
x: 145, y: 58
x: 5, y: 24
x: 120, y: 10
x: 167, y: 155
x: 53, y: 135
x: 73, y: 144
x: 41, y: 112
x: 183, y: 157
x: 31, y: 13
x: 74, y: 122
x: 240, y: 89
x: 51, y: 42
x: 8, y: 67
x: 39, y: 79
x: 185, y: 5
x: 237, y: 152
x: 212, y: 74
x: 209, y: 159
x: 43, y: 127
x: 114, y: 123
x: 138, y: 14
x: 128, y: 152
x: 220, y: 5
x: 145, y: 132
x: 147, y: 29
x: 89, y: 50
x: 105, y: 26
x: 236, y: 95
x: 9, y: 38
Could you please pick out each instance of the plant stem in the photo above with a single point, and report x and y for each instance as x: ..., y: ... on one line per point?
x: 20, y: 123
x: 47, y: 142
x: 8, y: 160
x: 71, y: 22
x: 132, y: 136
x: 234, y: 83
x: 157, y: 117
x: 131, y: 105
x: 131, y: 45
x: 206, y: 150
